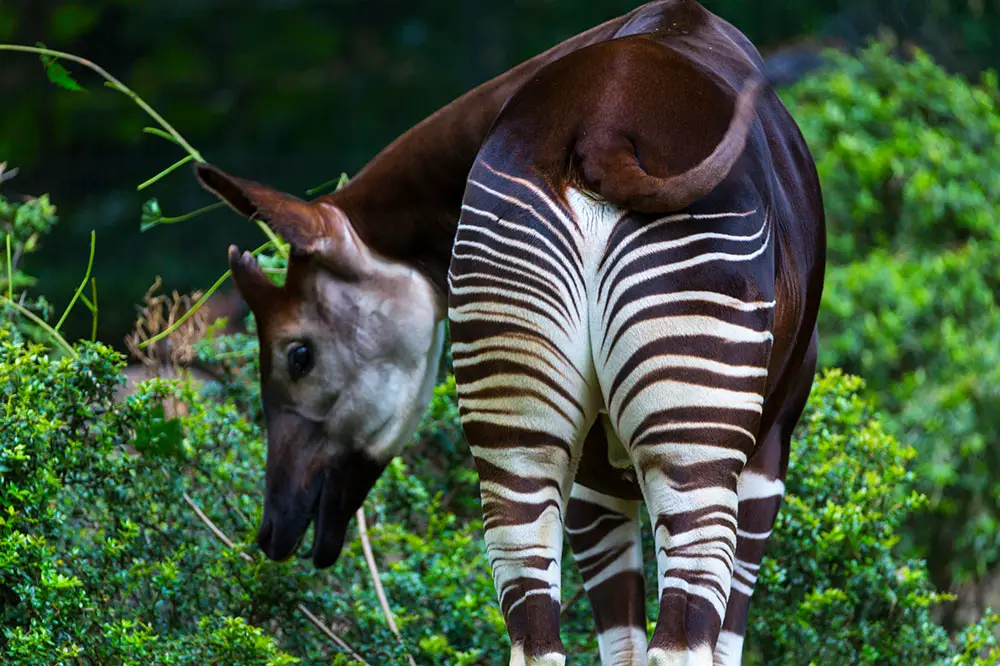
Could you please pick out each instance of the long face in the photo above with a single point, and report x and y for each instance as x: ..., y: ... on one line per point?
x: 349, y: 351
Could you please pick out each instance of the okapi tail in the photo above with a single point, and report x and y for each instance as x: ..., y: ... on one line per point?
x: 619, y: 178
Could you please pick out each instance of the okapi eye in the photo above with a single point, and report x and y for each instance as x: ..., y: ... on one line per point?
x: 300, y: 361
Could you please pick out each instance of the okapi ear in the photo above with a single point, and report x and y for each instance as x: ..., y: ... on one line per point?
x: 291, y: 218
x: 319, y: 230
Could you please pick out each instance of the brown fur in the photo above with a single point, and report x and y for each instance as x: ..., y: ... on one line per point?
x: 655, y: 111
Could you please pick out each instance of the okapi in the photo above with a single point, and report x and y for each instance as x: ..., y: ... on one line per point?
x: 626, y: 233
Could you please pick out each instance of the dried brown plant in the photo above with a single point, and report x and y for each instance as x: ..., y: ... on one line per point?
x: 157, y: 313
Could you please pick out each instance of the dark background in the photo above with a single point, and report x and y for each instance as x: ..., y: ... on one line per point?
x: 293, y: 92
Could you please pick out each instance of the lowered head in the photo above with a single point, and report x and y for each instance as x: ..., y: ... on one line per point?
x: 349, y: 351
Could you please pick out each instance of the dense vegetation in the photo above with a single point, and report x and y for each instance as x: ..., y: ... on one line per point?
x: 127, y: 527
x: 909, y: 157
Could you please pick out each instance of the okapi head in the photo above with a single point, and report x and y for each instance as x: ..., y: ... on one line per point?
x: 349, y: 350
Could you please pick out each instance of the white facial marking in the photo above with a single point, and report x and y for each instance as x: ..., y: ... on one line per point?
x: 376, y: 341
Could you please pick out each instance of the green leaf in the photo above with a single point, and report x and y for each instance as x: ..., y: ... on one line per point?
x: 58, y: 74
x: 151, y: 215
x: 160, y: 437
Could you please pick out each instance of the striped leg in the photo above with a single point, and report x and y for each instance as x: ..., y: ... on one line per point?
x: 683, y: 369
x: 527, y: 396
x: 604, y: 533
x: 695, y: 543
x: 525, y: 448
x: 760, y: 490
x: 689, y: 452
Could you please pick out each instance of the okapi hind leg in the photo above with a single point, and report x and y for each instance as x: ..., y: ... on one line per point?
x: 524, y: 480
x: 689, y: 416
x: 527, y: 397
x: 604, y: 530
x: 761, y: 490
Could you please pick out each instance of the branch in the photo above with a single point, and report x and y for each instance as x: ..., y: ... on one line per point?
x: 215, y: 530
x: 329, y: 632
x: 383, y: 601
x: 302, y: 609
x: 117, y: 85
x: 41, y: 323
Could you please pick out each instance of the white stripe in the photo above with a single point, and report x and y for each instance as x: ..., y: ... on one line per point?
x: 620, y: 286
x: 537, y: 191
x: 647, y: 302
x: 647, y: 249
x: 753, y: 485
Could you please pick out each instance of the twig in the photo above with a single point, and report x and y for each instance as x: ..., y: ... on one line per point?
x: 301, y: 607
x: 93, y: 308
x: 41, y: 323
x: 329, y: 632
x: 83, y: 283
x: 117, y: 85
x: 383, y: 601
x: 215, y: 530
x: 170, y: 169
x: 10, y: 264
x: 208, y: 294
x: 5, y: 173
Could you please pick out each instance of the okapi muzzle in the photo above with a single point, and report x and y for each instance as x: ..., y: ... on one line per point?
x: 299, y: 490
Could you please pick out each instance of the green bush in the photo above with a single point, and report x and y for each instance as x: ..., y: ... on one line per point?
x: 22, y: 226
x: 98, y: 562
x: 102, y: 559
x: 909, y: 158
x: 907, y: 153
x: 833, y: 588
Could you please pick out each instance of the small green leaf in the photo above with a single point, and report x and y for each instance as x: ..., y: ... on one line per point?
x: 58, y: 74
x: 151, y: 215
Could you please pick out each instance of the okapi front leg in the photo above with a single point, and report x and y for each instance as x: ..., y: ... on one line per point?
x: 602, y: 522
x: 605, y: 535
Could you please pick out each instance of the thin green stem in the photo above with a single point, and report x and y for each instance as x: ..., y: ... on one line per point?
x: 83, y: 283
x: 173, y: 167
x: 194, y: 308
x: 93, y: 308
x: 195, y: 213
x: 339, y: 181
x: 233, y: 354
x: 25, y: 312
x: 279, y: 245
x: 117, y: 85
x: 156, y: 131
x: 10, y: 272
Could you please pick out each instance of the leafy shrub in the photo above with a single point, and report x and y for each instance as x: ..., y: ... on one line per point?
x: 833, y: 588
x: 98, y: 564
x: 22, y: 226
x: 909, y: 158
x: 102, y: 558
x: 906, y: 152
